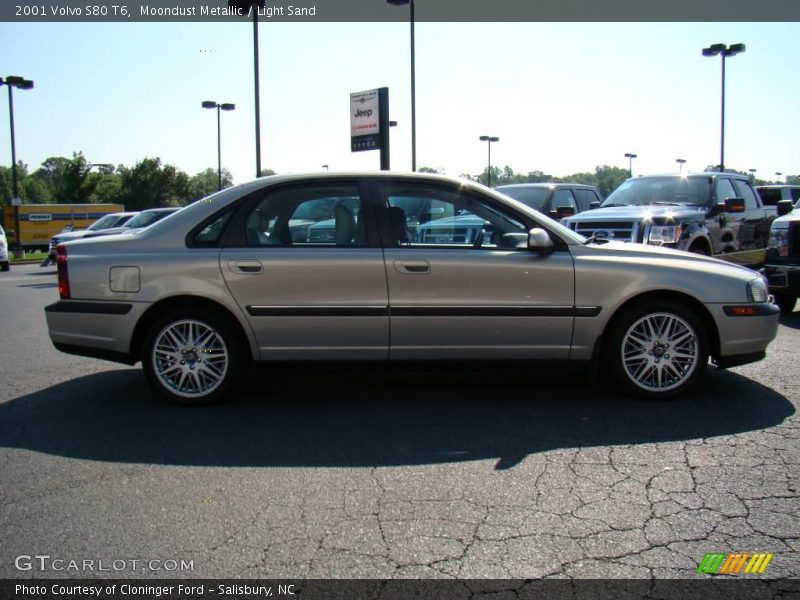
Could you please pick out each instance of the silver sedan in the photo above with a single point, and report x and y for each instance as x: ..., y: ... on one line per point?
x: 240, y: 276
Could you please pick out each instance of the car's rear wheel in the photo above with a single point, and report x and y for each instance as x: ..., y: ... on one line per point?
x: 192, y: 356
x: 657, y: 349
x: 785, y: 302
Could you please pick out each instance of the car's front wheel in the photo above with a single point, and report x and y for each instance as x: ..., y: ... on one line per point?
x: 192, y: 356
x: 657, y: 349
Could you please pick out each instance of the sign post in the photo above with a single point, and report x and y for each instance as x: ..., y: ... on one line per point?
x: 369, y: 123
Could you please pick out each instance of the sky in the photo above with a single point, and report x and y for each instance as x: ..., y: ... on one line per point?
x: 562, y: 97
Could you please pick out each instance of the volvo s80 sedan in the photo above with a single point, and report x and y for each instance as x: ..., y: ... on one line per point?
x: 226, y: 281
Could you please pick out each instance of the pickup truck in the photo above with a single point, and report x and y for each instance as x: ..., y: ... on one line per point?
x: 783, y: 257
x: 711, y: 213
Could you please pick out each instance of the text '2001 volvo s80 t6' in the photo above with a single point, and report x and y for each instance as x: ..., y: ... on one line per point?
x: 239, y: 277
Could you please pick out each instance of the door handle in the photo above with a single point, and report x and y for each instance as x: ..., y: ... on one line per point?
x: 412, y: 266
x: 246, y: 267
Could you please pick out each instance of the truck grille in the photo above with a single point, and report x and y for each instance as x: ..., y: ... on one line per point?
x: 622, y: 231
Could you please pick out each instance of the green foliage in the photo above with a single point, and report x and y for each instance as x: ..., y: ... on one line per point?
x: 206, y: 183
x: 149, y: 184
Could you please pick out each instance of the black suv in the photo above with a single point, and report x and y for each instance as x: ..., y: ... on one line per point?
x: 716, y: 214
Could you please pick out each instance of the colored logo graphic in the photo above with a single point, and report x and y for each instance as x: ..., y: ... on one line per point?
x: 719, y: 563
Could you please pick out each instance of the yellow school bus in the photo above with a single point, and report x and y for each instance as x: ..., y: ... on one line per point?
x: 40, y: 222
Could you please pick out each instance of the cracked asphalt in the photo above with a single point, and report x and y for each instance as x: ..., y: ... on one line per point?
x: 378, y: 472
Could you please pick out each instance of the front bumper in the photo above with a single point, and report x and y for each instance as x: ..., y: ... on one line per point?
x: 783, y: 278
x: 743, y: 338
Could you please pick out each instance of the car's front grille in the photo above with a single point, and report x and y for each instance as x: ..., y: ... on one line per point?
x: 623, y: 231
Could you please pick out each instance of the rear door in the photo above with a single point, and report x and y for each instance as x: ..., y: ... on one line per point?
x: 304, y: 264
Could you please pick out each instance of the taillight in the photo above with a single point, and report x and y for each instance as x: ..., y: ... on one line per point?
x: 63, y: 272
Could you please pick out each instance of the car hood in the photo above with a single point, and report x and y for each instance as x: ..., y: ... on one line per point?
x: 72, y: 235
x: 786, y: 219
x: 646, y: 212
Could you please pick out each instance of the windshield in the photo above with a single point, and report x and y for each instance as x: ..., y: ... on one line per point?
x: 145, y: 218
x: 533, y: 197
x: 103, y: 222
x: 662, y: 190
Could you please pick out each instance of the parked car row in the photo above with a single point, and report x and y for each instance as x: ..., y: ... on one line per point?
x: 355, y: 266
x: 122, y: 222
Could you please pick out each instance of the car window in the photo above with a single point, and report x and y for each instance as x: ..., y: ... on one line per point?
x: 795, y: 193
x: 745, y: 191
x: 533, y: 197
x: 103, y: 222
x: 664, y: 190
x: 585, y: 198
x: 724, y: 190
x: 563, y: 198
x: 210, y: 234
x: 328, y: 215
x: 769, y: 196
x: 452, y: 219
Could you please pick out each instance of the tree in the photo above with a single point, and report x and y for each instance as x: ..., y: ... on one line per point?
x: 206, y: 182
x: 67, y: 179
x: 150, y: 184
x: 435, y: 170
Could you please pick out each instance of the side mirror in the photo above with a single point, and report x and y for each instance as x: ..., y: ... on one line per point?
x: 734, y: 205
x: 784, y: 207
x: 564, y: 211
x: 539, y: 240
x: 593, y: 205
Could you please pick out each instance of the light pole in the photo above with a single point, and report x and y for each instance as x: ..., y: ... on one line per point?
x: 253, y: 6
x: 11, y: 82
x: 489, y: 139
x: 681, y: 162
x: 630, y: 156
x: 226, y: 106
x: 413, y: 82
x: 325, y: 167
x: 778, y: 175
x: 723, y: 51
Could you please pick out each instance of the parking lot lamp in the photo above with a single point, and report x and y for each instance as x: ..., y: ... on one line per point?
x: 11, y: 82
x: 724, y: 51
x: 413, y: 81
x: 630, y: 156
x: 226, y: 106
x: 489, y: 139
x: 778, y: 175
x: 681, y: 162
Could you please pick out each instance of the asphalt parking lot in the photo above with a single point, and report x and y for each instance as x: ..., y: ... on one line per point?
x: 377, y: 472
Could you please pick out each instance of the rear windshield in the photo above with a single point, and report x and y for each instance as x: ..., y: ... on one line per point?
x: 662, y: 190
x: 770, y: 196
x: 533, y: 197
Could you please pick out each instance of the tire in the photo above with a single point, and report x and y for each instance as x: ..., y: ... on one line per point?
x: 785, y: 302
x: 657, y: 350
x: 192, y: 357
x: 699, y: 248
x: 5, y: 265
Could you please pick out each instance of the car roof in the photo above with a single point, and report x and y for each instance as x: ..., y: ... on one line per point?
x: 542, y: 184
x: 777, y: 186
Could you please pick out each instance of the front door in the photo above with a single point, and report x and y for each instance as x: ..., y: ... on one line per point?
x: 462, y: 283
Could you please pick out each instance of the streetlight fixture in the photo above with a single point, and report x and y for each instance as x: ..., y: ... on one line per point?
x: 778, y: 175
x: 226, y: 106
x: 413, y: 81
x: 723, y: 51
x: 325, y: 167
x: 11, y: 82
x: 489, y: 139
x: 253, y: 6
x: 630, y: 156
x: 681, y: 162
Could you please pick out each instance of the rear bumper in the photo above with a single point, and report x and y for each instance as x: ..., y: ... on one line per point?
x: 94, y: 329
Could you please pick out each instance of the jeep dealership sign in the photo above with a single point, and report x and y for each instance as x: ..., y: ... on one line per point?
x: 364, y: 121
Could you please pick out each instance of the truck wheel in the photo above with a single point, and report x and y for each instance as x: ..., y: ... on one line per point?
x: 657, y: 350
x: 785, y: 302
x: 699, y: 248
x: 192, y: 356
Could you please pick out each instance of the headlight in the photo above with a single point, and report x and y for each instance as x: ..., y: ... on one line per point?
x: 664, y: 234
x: 757, y: 290
x: 779, y: 239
